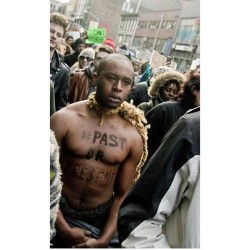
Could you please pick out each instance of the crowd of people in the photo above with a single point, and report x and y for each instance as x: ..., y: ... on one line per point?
x: 124, y: 147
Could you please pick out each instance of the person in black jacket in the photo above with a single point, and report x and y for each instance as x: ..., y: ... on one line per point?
x: 162, y: 117
x: 79, y: 45
x: 162, y: 209
x: 59, y: 72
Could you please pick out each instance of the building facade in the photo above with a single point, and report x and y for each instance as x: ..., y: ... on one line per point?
x: 186, y: 46
x: 151, y: 28
x: 105, y: 13
x: 173, y: 30
x: 55, y: 6
x: 171, y: 27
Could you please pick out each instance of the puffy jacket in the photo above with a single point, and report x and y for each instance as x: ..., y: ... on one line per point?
x: 59, y: 73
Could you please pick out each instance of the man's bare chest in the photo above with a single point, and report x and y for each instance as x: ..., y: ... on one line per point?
x: 107, y: 144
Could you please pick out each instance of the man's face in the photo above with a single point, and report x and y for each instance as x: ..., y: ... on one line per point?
x: 170, y: 92
x: 84, y: 61
x: 56, y: 35
x: 70, y: 41
x: 114, y: 83
x: 98, y: 58
x: 79, y: 48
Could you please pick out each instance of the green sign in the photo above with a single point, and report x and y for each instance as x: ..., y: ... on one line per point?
x: 96, y: 36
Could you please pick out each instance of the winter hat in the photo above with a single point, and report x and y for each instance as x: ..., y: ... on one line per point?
x: 110, y: 42
x: 88, y: 52
x: 79, y: 41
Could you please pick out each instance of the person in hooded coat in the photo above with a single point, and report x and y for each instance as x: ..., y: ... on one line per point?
x: 85, y: 58
x: 139, y: 92
x: 165, y: 87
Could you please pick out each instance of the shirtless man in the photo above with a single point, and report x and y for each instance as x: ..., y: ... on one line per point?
x: 100, y: 153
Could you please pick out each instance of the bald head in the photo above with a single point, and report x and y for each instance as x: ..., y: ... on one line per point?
x: 113, y: 57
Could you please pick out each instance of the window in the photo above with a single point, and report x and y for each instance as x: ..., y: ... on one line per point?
x: 160, y: 45
x: 137, y: 42
x: 149, y: 43
x: 164, y: 25
x: 187, y: 32
x: 142, y: 24
x: 122, y: 25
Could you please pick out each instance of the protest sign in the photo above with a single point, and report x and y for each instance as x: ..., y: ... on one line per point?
x: 157, y: 60
x: 96, y: 36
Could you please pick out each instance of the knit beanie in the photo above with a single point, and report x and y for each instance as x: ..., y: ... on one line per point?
x: 110, y: 43
x: 78, y: 41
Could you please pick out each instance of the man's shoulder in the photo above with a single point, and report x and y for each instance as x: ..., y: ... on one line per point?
x: 166, y: 106
x: 72, y: 110
x: 77, y: 106
x: 192, y: 115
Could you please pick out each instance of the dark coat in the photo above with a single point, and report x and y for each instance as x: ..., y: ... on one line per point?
x: 138, y: 93
x: 71, y: 59
x: 60, y: 76
x: 164, y: 202
x: 161, y: 118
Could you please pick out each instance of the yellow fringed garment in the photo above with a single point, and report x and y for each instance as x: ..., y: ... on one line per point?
x: 132, y: 114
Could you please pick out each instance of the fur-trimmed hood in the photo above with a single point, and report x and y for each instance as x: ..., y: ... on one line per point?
x: 160, y: 80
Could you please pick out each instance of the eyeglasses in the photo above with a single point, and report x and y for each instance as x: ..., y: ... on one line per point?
x: 86, y: 57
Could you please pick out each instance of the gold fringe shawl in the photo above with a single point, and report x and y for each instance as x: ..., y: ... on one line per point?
x: 132, y: 114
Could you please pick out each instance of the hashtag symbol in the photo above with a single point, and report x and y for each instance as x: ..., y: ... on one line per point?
x: 86, y: 135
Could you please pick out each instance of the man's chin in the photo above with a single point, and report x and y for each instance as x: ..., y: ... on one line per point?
x: 52, y: 46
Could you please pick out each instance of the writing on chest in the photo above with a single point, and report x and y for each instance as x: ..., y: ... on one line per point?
x: 104, y: 138
x: 99, y: 146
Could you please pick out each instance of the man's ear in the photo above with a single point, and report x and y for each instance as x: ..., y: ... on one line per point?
x: 194, y: 90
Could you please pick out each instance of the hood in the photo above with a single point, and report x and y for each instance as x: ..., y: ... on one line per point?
x: 160, y: 80
x: 88, y: 52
